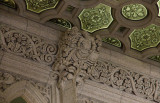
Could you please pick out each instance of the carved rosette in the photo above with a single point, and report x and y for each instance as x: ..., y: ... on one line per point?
x: 27, y: 46
x: 77, y: 52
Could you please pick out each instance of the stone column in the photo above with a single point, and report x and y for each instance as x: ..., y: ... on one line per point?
x: 77, y: 52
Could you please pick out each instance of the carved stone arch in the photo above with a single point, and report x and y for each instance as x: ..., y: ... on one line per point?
x: 25, y: 90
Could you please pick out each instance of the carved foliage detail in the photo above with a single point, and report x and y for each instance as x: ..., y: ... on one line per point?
x: 125, y: 80
x: 77, y: 51
x: 44, y: 89
x: 27, y: 46
x: 7, y: 79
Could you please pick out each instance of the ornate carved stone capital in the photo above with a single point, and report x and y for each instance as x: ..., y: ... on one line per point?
x: 77, y: 52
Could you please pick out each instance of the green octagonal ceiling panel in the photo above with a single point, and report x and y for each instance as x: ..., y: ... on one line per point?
x: 38, y: 6
x: 144, y: 38
x: 134, y: 11
x: 96, y: 18
x: 158, y: 3
x: 155, y: 58
x: 61, y: 22
x: 9, y: 3
x: 112, y: 41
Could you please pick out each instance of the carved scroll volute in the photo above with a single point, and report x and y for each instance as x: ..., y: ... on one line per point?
x: 77, y: 52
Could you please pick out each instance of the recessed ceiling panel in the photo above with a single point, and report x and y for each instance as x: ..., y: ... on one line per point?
x: 134, y: 11
x: 96, y: 18
x: 38, y: 6
x: 61, y: 22
x: 144, y: 38
x: 112, y: 41
x: 9, y: 3
x: 155, y: 58
x: 158, y: 3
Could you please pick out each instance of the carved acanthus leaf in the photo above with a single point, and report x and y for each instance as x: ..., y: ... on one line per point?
x: 26, y: 45
x: 7, y: 80
x: 125, y: 80
x: 77, y: 51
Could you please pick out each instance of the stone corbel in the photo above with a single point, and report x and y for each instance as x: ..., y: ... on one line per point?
x: 77, y: 52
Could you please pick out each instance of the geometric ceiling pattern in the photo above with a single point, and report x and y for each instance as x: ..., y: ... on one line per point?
x: 62, y: 22
x: 133, y: 26
x: 144, y: 38
x: 134, y: 11
x: 96, y: 18
x: 112, y: 41
x: 38, y: 6
x: 158, y: 3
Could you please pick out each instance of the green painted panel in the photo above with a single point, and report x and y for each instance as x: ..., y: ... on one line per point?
x: 134, y: 11
x: 38, y: 6
x: 18, y: 100
x: 112, y: 41
x: 158, y: 3
x: 96, y: 18
x: 155, y: 58
x: 61, y: 22
x: 144, y: 38
x: 9, y: 3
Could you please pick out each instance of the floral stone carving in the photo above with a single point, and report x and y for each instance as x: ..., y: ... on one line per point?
x: 77, y: 51
x: 144, y: 38
x: 96, y: 18
x: 8, y: 79
x: 38, y: 6
x: 125, y: 80
x: 134, y: 11
x: 27, y: 46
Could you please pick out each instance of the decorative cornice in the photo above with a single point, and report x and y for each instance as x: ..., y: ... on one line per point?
x: 118, y: 77
x: 26, y: 45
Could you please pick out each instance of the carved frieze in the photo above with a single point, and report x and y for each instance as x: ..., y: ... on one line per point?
x: 125, y: 80
x: 26, y: 45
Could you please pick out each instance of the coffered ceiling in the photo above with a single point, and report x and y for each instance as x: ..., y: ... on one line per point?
x: 131, y: 27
